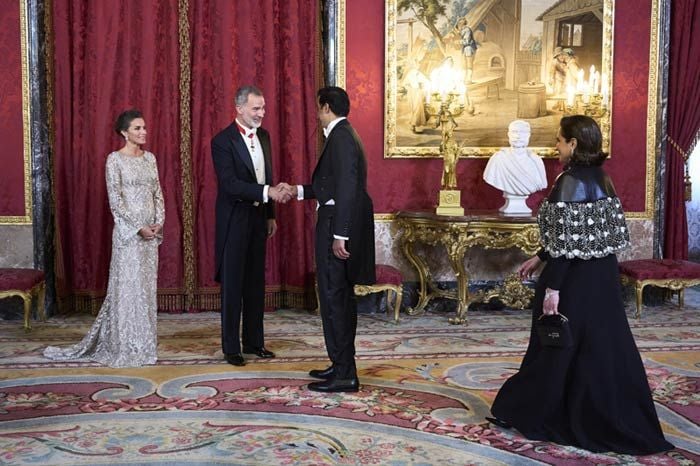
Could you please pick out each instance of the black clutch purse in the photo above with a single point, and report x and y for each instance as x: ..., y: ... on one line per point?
x: 554, y: 330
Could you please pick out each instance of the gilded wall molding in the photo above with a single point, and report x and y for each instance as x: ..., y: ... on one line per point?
x: 341, y: 44
x: 334, y: 42
x: 25, y: 219
x: 652, y: 115
x: 190, y: 271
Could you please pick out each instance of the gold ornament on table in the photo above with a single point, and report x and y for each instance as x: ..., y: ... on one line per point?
x: 448, y: 100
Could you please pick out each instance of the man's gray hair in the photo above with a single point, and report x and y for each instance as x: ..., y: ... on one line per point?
x: 243, y: 92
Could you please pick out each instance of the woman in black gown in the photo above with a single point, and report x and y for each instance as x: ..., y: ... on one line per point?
x: 593, y: 394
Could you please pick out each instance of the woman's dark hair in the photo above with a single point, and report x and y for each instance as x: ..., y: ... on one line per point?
x: 125, y: 119
x: 336, y: 98
x: 589, y: 140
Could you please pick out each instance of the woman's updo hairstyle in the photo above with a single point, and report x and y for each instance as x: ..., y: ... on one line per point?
x: 589, y: 139
x: 124, y: 120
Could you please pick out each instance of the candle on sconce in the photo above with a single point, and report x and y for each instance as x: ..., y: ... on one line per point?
x: 570, y: 94
x: 448, y: 82
x: 579, y: 81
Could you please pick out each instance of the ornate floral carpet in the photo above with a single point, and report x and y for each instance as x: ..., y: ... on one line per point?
x: 426, y: 387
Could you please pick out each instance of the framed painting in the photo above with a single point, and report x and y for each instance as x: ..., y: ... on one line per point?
x: 531, y: 60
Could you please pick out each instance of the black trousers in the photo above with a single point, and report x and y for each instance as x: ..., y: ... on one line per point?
x: 243, y: 279
x: 338, y: 307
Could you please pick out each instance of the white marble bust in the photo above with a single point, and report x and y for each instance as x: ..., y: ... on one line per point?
x: 516, y: 170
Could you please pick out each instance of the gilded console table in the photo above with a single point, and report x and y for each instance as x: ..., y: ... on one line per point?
x: 458, y: 234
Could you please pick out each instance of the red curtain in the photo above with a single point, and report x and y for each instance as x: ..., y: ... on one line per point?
x: 110, y: 56
x: 273, y: 45
x: 683, y: 120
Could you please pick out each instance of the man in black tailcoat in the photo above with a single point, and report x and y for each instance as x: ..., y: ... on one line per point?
x: 245, y: 218
x: 344, y: 245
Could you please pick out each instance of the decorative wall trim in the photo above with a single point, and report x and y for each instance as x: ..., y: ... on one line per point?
x: 652, y: 116
x: 40, y: 60
x: 340, y: 25
x: 334, y: 42
x: 186, y: 152
x: 661, y: 106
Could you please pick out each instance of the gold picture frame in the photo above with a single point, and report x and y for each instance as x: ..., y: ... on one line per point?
x: 25, y: 219
x: 512, y: 74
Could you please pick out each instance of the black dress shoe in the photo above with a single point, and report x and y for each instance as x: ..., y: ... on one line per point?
x: 336, y: 385
x: 499, y: 422
x: 235, y: 358
x: 323, y: 374
x: 261, y: 352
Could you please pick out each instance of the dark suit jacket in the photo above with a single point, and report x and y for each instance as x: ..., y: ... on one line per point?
x: 237, y: 185
x: 341, y: 175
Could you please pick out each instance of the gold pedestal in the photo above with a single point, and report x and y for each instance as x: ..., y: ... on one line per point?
x: 450, y: 203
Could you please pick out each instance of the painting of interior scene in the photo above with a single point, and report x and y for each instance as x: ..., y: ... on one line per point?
x: 502, y: 60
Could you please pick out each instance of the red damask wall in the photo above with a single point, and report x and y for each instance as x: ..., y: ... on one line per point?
x: 412, y: 184
x: 11, y: 133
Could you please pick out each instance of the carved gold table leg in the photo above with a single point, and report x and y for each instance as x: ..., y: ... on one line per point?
x: 423, y: 276
x: 638, y: 291
x: 398, y: 296
x: 456, y: 254
x: 513, y: 293
x: 27, y: 301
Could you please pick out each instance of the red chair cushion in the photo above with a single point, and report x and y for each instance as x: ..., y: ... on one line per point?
x: 19, y: 279
x: 386, y: 274
x: 659, y: 269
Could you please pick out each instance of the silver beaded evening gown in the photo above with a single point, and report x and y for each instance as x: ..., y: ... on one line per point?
x: 124, y: 333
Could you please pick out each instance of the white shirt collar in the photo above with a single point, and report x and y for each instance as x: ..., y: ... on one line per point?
x: 248, y: 131
x: 327, y: 130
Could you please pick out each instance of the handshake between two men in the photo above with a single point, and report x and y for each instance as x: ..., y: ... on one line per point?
x: 282, y: 193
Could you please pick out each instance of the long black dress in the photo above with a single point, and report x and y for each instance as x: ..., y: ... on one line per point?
x: 595, y: 394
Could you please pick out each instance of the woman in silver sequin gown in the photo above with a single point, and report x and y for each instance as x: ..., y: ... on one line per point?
x: 124, y: 333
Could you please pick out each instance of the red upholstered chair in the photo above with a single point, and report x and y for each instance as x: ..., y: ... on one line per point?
x: 676, y: 275
x: 389, y: 279
x: 27, y: 284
